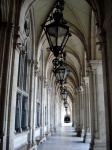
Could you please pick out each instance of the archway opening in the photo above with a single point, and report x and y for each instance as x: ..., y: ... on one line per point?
x: 67, y: 119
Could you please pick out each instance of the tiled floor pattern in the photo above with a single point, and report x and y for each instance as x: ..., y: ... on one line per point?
x: 64, y: 139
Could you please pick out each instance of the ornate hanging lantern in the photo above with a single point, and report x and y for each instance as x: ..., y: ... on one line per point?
x: 56, y: 31
x: 64, y: 93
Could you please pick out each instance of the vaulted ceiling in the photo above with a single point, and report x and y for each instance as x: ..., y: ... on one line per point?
x: 77, y: 13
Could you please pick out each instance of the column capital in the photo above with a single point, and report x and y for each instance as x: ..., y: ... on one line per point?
x: 46, y: 83
x: 95, y: 63
x: 96, y: 66
x: 30, y: 61
x: 101, y: 34
x: 86, y: 80
x: 36, y: 69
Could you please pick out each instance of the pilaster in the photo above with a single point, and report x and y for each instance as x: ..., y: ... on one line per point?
x: 79, y: 113
x: 6, y: 58
x: 97, y: 105
x: 87, y: 110
x: 36, y: 70
x: 31, y: 99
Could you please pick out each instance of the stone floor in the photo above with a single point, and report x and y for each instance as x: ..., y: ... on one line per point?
x: 64, y: 139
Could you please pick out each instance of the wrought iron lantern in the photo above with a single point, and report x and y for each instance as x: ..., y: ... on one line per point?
x: 66, y: 110
x: 64, y: 93
x: 66, y: 106
x: 65, y: 102
x: 61, y: 72
x: 57, y: 32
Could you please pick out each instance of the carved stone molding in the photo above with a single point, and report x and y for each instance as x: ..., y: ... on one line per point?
x: 36, y: 69
x: 46, y: 84
x: 31, y: 62
x: 101, y: 34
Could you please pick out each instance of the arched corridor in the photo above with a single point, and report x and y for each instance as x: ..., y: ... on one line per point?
x: 55, y: 70
x: 64, y: 139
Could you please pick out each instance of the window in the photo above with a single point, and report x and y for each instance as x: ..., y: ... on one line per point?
x: 18, y: 112
x: 37, y: 114
x: 45, y: 116
x: 24, y: 113
x: 21, y: 113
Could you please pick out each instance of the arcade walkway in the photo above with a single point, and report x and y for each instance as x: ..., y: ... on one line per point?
x: 64, y: 139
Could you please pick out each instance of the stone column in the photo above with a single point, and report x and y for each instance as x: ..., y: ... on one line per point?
x: 92, y: 105
x: 105, y: 44
x: 52, y: 112
x: 49, y: 110
x: 79, y: 117
x: 76, y: 113
x: 73, y: 113
x: 87, y: 110
x: 81, y: 110
x: 99, y: 110
x: 31, y: 100
x: 55, y: 114
x: 34, y: 100
x: 98, y: 137
x: 12, y: 101
x: 42, y: 134
x: 6, y: 54
x: 60, y: 115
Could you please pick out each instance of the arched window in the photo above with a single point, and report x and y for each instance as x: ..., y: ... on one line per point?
x: 21, y: 121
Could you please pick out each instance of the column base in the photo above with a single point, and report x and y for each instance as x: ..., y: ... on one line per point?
x: 41, y: 140
x: 79, y: 132
x: 83, y: 133
x: 97, y: 146
x: 54, y: 128
x: 100, y: 146
x: 2, y: 142
x: 48, y: 134
x: 51, y: 130
x: 91, y: 145
x: 84, y: 138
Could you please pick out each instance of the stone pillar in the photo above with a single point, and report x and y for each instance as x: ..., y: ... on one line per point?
x: 73, y: 114
x: 81, y: 110
x: 105, y: 44
x: 76, y: 113
x: 98, y: 137
x: 79, y: 117
x: 52, y: 112
x: 49, y: 110
x: 34, y: 101
x: 55, y: 113
x: 60, y: 115
x: 12, y: 102
x: 42, y: 134
x: 92, y: 105
x: 6, y: 54
x: 31, y: 100
x: 87, y: 110
x: 47, y: 105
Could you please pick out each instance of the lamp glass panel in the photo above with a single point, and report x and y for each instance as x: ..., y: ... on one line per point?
x: 53, y: 33
x: 58, y: 32
x: 61, y: 35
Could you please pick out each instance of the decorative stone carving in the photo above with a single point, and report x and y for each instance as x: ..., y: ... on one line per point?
x: 36, y: 68
x: 102, y: 38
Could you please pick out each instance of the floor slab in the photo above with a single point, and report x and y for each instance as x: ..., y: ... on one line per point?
x: 64, y: 139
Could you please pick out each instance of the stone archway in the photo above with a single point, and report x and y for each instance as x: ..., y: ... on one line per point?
x: 67, y: 119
